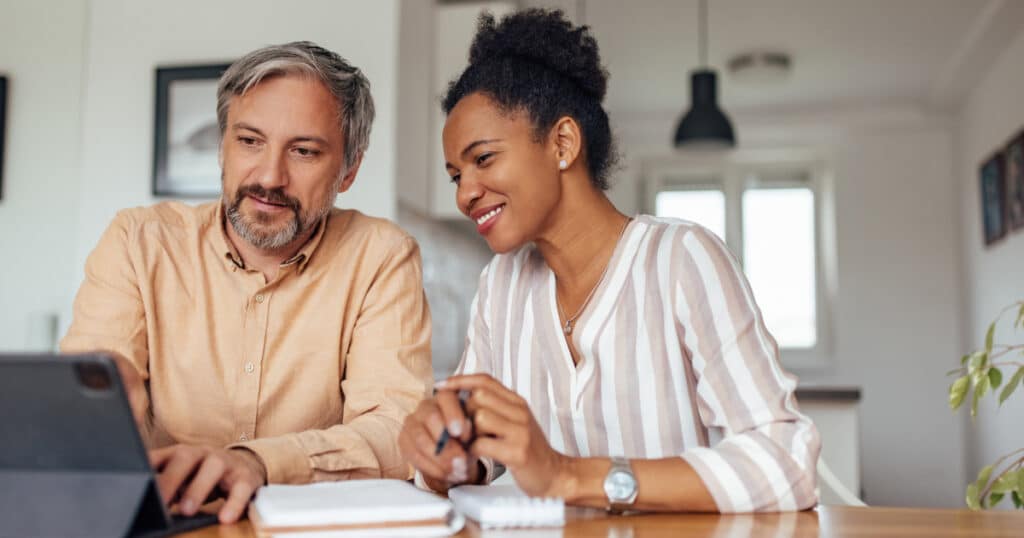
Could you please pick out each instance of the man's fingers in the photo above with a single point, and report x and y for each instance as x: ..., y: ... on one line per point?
x: 238, y: 499
x: 176, y: 472
x: 209, y: 474
x: 159, y: 457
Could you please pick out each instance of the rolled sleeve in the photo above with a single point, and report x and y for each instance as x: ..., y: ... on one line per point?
x: 767, y: 456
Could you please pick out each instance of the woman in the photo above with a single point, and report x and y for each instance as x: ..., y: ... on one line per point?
x: 596, y: 337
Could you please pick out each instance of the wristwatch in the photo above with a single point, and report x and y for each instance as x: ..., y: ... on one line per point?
x: 620, y: 486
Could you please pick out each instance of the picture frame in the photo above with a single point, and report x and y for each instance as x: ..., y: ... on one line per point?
x: 186, y: 136
x: 993, y: 207
x: 3, y: 129
x: 1014, y: 183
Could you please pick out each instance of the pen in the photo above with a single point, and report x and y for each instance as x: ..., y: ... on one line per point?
x: 445, y: 435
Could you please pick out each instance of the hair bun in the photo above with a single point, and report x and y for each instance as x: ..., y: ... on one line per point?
x: 544, y: 37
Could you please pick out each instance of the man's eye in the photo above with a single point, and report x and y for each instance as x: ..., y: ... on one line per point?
x: 247, y: 140
x: 307, y: 152
x: 456, y: 178
x: 483, y: 158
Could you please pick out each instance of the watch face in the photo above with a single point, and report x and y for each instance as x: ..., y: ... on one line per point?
x: 620, y: 485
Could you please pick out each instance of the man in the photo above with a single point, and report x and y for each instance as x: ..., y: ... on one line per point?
x: 267, y: 337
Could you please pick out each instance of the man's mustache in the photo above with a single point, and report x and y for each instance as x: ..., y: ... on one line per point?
x: 274, y: 196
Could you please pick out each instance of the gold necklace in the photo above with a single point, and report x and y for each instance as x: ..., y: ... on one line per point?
x: 567, y: 328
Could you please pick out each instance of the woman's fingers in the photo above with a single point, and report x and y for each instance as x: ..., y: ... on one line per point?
x: 451, y: 415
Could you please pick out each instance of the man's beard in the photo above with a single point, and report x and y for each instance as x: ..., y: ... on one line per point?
x: 253, y: 229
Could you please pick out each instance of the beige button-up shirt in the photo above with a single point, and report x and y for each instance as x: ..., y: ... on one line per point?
x: 313, y: 371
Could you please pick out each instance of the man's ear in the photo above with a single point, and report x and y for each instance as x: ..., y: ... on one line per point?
x: 350, y: 175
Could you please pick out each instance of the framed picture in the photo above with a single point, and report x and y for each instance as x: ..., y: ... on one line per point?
x: 3, y: 129
x: 1015, y: 183
x: 186, y: 135
x: 992, y: 198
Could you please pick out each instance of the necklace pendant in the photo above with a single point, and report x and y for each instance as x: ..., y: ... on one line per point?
x: 568, y: 327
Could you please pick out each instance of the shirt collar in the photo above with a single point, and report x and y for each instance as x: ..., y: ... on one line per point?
x: 234, y: 259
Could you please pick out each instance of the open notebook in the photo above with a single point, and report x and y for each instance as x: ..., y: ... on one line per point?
x: 499, y: 506
x: 352, y: 508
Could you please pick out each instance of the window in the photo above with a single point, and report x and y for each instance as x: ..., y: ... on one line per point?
x: 769, y: 218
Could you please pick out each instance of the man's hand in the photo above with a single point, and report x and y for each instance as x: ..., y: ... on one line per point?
x: 189, y: 474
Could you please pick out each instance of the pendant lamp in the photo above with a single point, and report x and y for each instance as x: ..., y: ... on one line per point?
x: 704, y: 125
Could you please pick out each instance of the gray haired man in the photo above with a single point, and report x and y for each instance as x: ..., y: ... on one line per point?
x: 266, y: 337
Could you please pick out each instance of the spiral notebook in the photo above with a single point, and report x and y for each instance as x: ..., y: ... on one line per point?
x: 506, y: 506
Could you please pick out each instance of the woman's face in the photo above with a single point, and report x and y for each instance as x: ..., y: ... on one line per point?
x: 506, y: 181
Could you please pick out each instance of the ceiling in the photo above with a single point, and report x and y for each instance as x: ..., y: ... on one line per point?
x: 843, y: 51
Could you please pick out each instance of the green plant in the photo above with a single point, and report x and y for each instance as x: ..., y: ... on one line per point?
x: 980, y: 373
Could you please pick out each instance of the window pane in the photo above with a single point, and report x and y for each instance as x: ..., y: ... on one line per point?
x: 778, y: 258
x: 705, y: 207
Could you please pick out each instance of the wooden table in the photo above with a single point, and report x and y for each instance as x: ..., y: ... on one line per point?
x: 826, y: 522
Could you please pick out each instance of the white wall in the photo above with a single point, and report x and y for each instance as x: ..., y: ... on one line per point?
x: 41, y: 54
x: 895, y: 322
x: 994, y: 276
x: 80, y: 129
x: 128, y: 39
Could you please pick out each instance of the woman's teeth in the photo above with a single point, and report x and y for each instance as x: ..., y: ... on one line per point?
x: 490, y: 214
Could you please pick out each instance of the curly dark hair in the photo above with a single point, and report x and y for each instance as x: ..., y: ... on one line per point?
x: 536, y: 61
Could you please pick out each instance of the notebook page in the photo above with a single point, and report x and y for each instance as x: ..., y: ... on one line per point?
x: 349, y: 502
x: 498, y: 506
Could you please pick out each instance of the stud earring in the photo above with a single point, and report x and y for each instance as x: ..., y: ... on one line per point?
x: 562, y: 165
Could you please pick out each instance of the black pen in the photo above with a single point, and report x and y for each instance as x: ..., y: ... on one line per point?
x: 445, y: 435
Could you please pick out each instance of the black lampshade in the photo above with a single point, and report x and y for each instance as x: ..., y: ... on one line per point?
x: 704, y: 124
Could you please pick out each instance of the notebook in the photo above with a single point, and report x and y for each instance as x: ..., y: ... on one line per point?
x: 501, y: 506
x: 352, y: 508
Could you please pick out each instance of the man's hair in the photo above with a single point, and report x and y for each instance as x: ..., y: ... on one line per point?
x: 346, y: 82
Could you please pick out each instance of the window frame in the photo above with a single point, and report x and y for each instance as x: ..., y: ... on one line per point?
x: 733, y: 177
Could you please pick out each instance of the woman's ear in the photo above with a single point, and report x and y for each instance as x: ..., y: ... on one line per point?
x: 567, y: 142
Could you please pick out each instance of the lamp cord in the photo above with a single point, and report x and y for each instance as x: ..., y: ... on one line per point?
x: 703, y: 33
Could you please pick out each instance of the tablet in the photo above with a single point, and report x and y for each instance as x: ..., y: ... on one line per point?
x: 72, y: 462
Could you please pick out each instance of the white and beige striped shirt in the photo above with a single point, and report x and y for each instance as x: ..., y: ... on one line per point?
x: 675, y: 359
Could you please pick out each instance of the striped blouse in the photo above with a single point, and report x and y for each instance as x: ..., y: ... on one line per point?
x: 675, y: 359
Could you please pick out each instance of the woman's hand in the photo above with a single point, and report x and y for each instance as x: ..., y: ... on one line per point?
x: 507, y: 432
x: 418, y: 441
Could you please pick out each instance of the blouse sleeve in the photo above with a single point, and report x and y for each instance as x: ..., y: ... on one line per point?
x: 767, y: 456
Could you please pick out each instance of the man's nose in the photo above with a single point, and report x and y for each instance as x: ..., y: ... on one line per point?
x: 273, y: 171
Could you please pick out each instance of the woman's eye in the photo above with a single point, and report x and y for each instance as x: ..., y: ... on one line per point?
x: 456, y: 178
x: 483, y: 158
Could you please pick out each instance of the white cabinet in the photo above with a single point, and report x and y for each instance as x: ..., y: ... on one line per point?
x: 434, y: 42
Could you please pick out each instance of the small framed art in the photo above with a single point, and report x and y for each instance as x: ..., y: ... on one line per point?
x: 186, y: 135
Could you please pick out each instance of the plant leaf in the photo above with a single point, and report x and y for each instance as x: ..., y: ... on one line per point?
x: 983, y: 477
x: 979, y: 390
x: 964, y: 359
x: 976, y: 362
x: 994, y: 499
x: 989, y: 335
x: 957, y: 392
x: 1017, y: 500
x: 972, y: 497
x: 1020, y: 317
x: 1006, y: 482
x: 1011, y: 385
x: 995, y: 377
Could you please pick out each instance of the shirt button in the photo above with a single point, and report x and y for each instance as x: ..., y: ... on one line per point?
x: 243, y: 437
x: 249, y: 367
x: 259, y: 297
